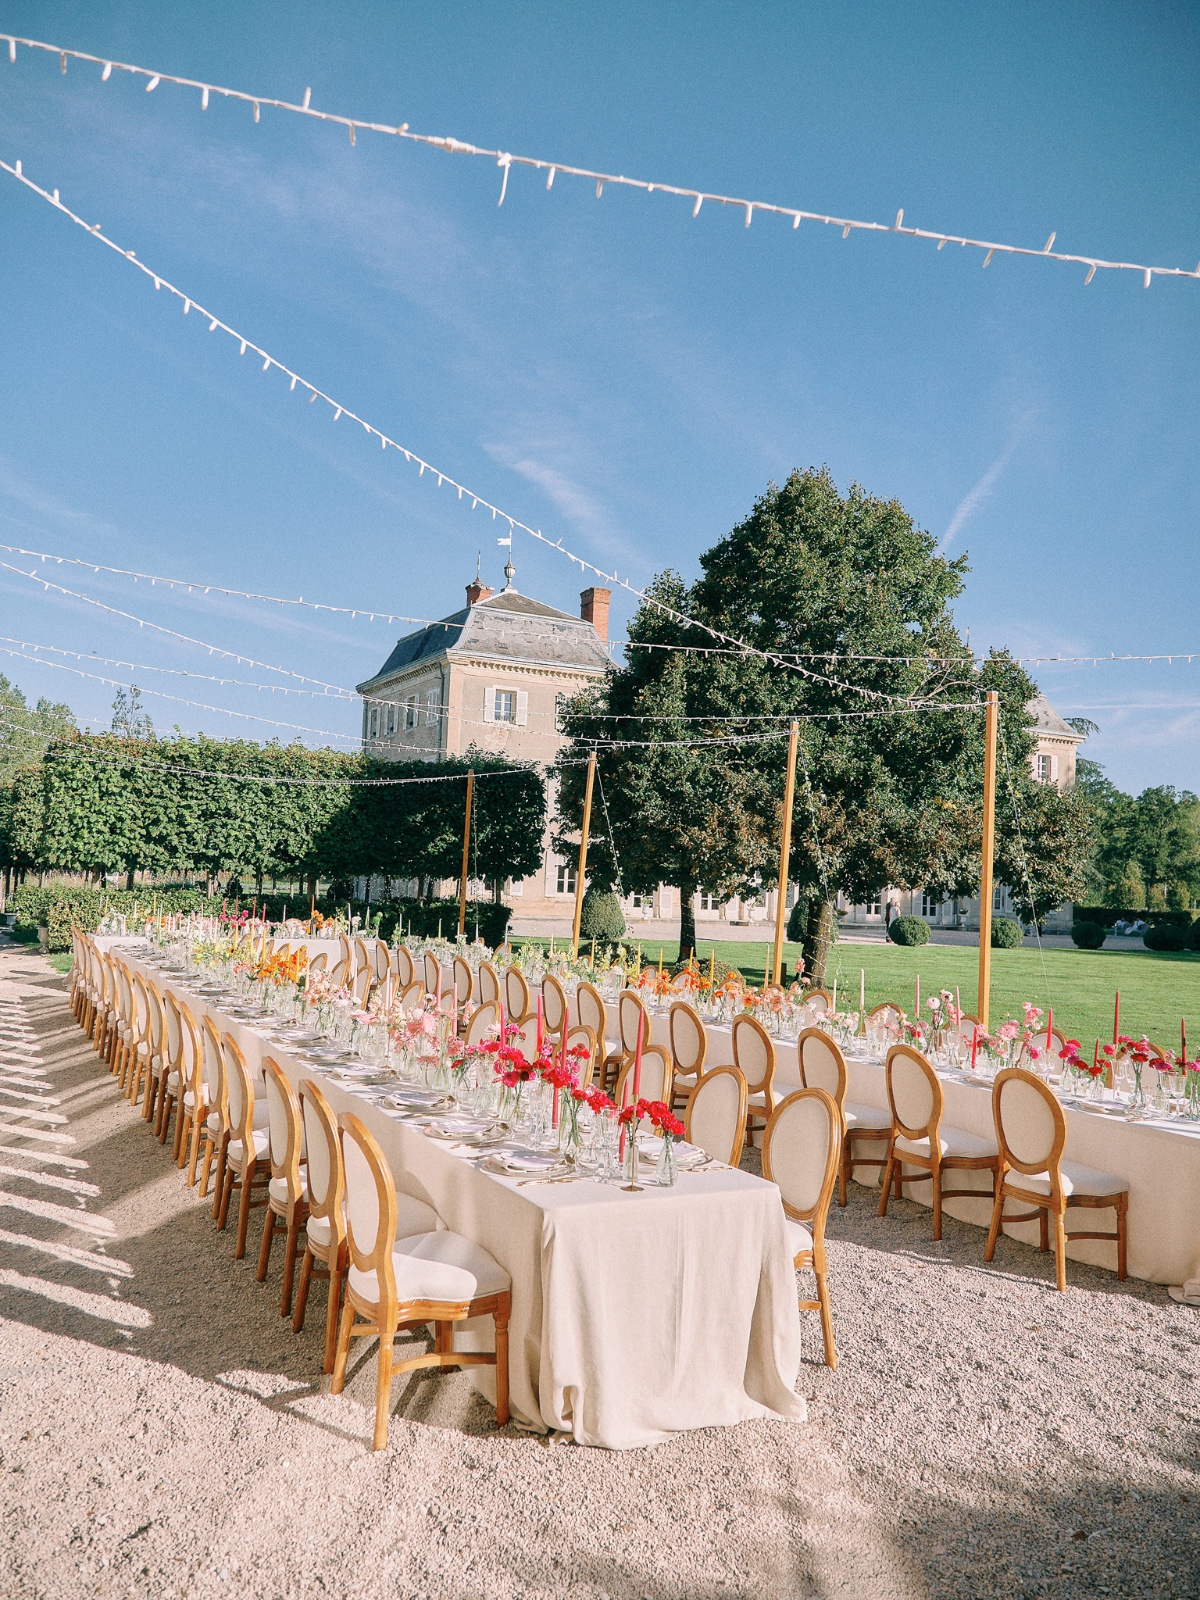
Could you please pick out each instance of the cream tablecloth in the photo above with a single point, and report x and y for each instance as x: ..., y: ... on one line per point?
x: 634, y: 1316
x: 1160, y: 1161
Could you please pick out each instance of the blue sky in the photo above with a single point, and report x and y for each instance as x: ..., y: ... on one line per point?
x: 613, y: 371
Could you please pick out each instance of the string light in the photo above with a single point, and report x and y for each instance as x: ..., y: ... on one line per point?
x: 505, y: 160
x: 411, y: 457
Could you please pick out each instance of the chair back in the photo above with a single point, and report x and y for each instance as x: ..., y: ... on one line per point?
x: 154, y: 1019
x: 191, y: 1056
x: 1041, y: 1042
x: 753, y: 1053
x: 431, y: 970
x: 822, y: 1064
x: 362, y: 956
x: 817, y: 1000
x: 689, y: 1042
x: 384, y: 989
x: 240, y: 1091
x: 317, y: 963
x: 887, y: 1011
x: 347, y: 953
x: 485, y: 1020
x: 526, y: 1040
x: 1031, y: 1128
x: 554, y: 1005
x: 125, y: 1006
x: 516, y: 994
x: 216, y: 1095
x: 464, y: 981
x: 715, y: 1118
x: 413, y: 998
x: 370, y: 1204
x: 340, y: 973
x: 324, y: 1177
x: 361, y: 985
x: 800, y: 1151
x: 585, y: 1065
x: 286, y: 1123
x: 656, y: 1078
x: 383, y: 963
x: 629, y: 1009
x: 172, y: 1034
x: 405, y: 970
x: 589, y: 1007
x: 914, y: 1094
x: 139, y: 1018
x: 487, y: 984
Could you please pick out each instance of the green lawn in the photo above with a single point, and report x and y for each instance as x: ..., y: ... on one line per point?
x: 1156, y: 990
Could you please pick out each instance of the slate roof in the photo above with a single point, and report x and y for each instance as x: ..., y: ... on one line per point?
x: 508, y: 627
x: 1048, y: 721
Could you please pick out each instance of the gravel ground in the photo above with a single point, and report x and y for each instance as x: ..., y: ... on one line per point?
x: 163, y: 1433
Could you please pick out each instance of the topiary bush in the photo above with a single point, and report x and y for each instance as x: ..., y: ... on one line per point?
x: 797, y: 922
x: 909, y: 930
x: 601, y: 917
x: 1088, y: 935
x: 1006, y: 934
x: 1165, y: 936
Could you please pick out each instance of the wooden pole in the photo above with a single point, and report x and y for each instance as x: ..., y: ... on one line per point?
x: 462, y: 893
x: 785, y: 852
x: 583, y: 844
x: 991, y: 729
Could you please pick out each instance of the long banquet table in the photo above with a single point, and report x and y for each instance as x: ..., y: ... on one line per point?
x: 634, y: 1316
x: 1160, y: 1159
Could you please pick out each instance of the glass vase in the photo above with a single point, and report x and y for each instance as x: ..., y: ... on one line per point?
x: 666, y: 1171
x: 1137, y: 1096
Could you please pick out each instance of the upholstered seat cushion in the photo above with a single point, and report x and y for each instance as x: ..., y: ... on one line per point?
x: 173, y: 1082
x: 278, y: 1187
x: 1075, y: 1180
x: 319, y: 1232
x: 799, y: 1238
x: 953, y: 1142
x: 866, y: 1119
x: 214, y: 1122
x: 442, y: 1267
x: 262, y: 1140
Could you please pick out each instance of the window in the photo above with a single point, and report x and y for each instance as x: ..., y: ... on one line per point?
x: 565, y: 878
x: 873, y: 907
x: 504, y: 707
x: 410, y: 710
x: 929, y: 905
x: 391, y: 719
x: 639, y: 900
x: 432, y: 707
x: 1045, y: 768
x: 374, y: 722
x: 705, y: 901
x: 997, y: 899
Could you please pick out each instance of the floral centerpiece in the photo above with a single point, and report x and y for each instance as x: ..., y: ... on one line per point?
x: 669, y: 1127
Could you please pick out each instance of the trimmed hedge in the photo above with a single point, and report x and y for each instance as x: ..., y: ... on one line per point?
x: 1165, y: 936
x: 909, y: 931
x: 1088, y: 935
x: 797, y: 922
x: 601, y: 917
x: 1105, y: 916
x: 1006, y: 934
x: 1193, y: 938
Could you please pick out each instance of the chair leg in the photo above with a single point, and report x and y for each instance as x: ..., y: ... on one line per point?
x: 826, y: 1319
x: 331, y: 1316
x: 1122, y: 1209
x: 208, y: 1154
x: 843, y: 1172
x: 306, y: 1269
x: 225, y: 1192
x: 248, y: 1171
x: 501, y: 1316
x: 443, y: 1338
x: 219, y: 1181
x: 997, y: 1223
x: 886, y: 1187
x: 937, y: 1202
x: 264, y: 1255
x: 345, y: 1324
x: 383, y: 1388
x: 1060, y: 1251
x: 290, y: 1250
x: 1044, y: 1223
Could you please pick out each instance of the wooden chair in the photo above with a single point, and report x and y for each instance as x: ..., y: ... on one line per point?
x: 516, y: 995
x: 485, y: 1020
x: 286, y: 1205
x: 436, y: 1277
x: 801, y: 1151
x: 211, y: 1120
x: 360, y: 984
x: 689, y: 1046
x: 363, y: 957
x: 526, y: 1038
x: 431, y: 973
x: 715, y: 1118
x: 405, y: 968
x: 247, y: 1166
x: 555, y: 1012
x: 487, y: 984
x: 1040, y: 1042
x: 156, y: 1071
x: 585, y: 1065
x: 412, y: 998
x: 592, y: 1013
x: 754, y: 1057
x: 464, y: 982
x: 317, y: 963
x: 382, y: 961
x: 190, y: 1107
x: 823, y: 1066
x: 919, y: 1140
x: 169, y: 1082
x: 629, y: 1009
x: 120, y: 1029
x: 1031, y: 1131
x: 142, y: 1042
x: 817, y: 999
x: 325, y: 1223
x: 340, y: 974
x: 134, y: 1017
x: 77, y: 988
x: 347, y: 950
x: 657, y: 1073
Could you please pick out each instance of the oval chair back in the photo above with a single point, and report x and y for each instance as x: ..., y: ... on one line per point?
x: 317, y: 963
x: 362, y: 956
x: 554, y: 1005
x: 464, y: 980
x: 347, y: 954
x: 689, y: 1045
x: 822, y: 1064
x: 585, y: 1065
x: 629, y: 1009
x: 485, y: 1020
x: 286, y: 1126
x: 340, y: 973
x: 1031, y: 1129
x: 817, y: 1000
x: 323, y: 1179
x: 405, y: 969
x: 431, y: 973
x: 216, y: 1095
x: 382, y: 960
x: 1040, y: 1041
x: 801, y: 1152
x: 371, y: 1214
x: 526, y: 1039
x: 715, y: 1118
x: 914, y: 1094
x: 754, y: 1057
x: 413, y: 998
x: 657, y: 1073
x: 516, y: 994
x: 239, y: 1087
x: 361, y: 985
x: 589, y: 1008
x: 487, y: 984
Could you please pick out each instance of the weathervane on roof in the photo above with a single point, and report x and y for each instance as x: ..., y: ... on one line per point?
x: 510, y: 571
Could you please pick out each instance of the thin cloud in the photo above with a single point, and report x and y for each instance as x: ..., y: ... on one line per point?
x: 975, y: 496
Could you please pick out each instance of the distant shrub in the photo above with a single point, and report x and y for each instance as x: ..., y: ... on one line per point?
x: 909, y: 930
x: 1165, y: 936
x: 601, y: 917
x: 1006, y: 934
x: 1193, y: 938
x: 1088, y: 935
x: 797, y: 922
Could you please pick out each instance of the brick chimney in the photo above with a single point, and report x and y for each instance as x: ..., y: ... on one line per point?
x: 593, y: 608
x: 477, y: 591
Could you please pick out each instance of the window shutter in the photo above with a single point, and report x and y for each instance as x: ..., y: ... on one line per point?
x: 522, y: 708
x: 1053, y: 769
x: 489, y: 705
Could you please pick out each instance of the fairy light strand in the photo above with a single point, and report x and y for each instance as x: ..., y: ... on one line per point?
x: 506, y: 160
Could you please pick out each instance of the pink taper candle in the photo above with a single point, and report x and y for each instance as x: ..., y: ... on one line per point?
x: 539, y: 1025
x: 1117, y: 1017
